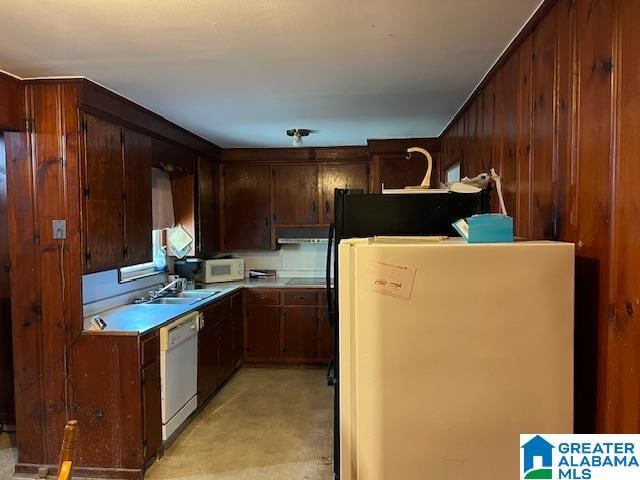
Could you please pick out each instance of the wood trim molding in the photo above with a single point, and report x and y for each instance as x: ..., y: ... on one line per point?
x: 395, y: 145
x: 304, y: 154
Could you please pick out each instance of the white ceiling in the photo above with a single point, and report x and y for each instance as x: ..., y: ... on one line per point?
x: 240, y: 72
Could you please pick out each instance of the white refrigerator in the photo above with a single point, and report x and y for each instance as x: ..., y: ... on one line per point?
x: 448, y: 352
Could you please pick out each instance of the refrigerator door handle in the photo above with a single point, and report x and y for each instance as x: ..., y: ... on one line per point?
x: 330, y: 306
x: 331, y: 378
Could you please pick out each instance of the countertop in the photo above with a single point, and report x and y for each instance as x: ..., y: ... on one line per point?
x: 279, y: 282
x: 143, y: 318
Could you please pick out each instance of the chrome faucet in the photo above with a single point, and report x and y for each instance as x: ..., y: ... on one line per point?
x: 157, y: 293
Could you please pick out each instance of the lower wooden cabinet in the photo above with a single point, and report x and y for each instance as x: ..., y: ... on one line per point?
x: 300, y: 332
x: 151, y: 396
x: 326, y: 336
x: 216, y: 361
x: 287, y: 326
x: 152, y: 409
x: 237, y: 329
x: 263, y: 333
x: 208, y: 338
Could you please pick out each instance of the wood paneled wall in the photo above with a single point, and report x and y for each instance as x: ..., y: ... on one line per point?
x: 43, y: 184
x: 558, y: 118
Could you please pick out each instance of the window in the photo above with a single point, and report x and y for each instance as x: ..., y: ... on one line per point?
x: 158, y: 265
x: 453, y: 173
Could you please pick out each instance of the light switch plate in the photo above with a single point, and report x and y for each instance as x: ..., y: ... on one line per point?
x: 59, y: 229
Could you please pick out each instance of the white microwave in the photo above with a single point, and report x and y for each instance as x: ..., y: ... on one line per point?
x: 221, y: 270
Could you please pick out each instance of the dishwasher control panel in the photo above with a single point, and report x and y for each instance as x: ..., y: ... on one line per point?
x: 178, y: 331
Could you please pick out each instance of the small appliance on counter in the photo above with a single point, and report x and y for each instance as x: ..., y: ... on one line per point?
x: 216, y: 270
x: 188, y: 268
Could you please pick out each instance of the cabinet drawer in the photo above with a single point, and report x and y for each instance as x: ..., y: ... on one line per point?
x: 218, y: 310
x: 300, y: 298
x: 150, y: 350
x: 263, y: 297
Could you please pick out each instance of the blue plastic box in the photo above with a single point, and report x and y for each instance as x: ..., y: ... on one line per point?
x: 486, y: 228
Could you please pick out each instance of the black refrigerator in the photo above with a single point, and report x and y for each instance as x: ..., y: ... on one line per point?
x: 358, y: 214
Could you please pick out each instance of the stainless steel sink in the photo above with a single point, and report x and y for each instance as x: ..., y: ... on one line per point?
x: 195, y: 294
x: 174, y: 301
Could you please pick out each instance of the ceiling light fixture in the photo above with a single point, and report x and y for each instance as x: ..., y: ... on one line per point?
x: 298, y: 133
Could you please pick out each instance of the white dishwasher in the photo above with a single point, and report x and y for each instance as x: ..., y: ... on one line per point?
x: 178, y: 371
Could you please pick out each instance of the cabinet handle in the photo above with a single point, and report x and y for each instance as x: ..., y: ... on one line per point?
x: 266, y: 221
x: 314, y: 207
x: 298, y: 297
x: 327, y: 207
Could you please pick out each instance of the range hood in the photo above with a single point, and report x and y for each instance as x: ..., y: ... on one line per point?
x: 293, y: 235
x: 301, y: 240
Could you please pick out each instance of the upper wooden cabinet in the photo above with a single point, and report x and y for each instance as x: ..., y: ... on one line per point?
x: 12, y: 115
x: 346, y: 175
x: 295, y: 195
x: 138, y: 222
x: 103, y: 209
x: 258, y: 197
x: 117, y: 216
x: 246, y: 207
x: 207, y: 228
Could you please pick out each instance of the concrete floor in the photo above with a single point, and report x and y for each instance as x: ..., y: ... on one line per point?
x: 8, y: 455
x: 264, y: 424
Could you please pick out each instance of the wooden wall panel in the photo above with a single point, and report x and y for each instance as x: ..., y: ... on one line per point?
x: 594, y: 22
x: 525, y: 122
x: 509, y: 166
x: 623, y: 392
x: 541, y: 212
x: 26, y: 309
x: 564, y: 113
x: 43, y: 172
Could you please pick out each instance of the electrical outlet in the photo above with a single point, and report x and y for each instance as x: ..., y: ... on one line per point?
x: 59, y: 229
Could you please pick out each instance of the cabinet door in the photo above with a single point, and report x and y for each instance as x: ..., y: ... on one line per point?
x: 152, y: 408
x: 326, y: 336
x: 263, y: 332
x: 208, y: 235
x: 237, y: 334
x: 225, y: 347
x: 138, y: 216
x: 295, y: 195
x: 208, y: 373
x: 299, y: 332
x: 103, y: 212
x: 246, y: 207
x: 355, y: 175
